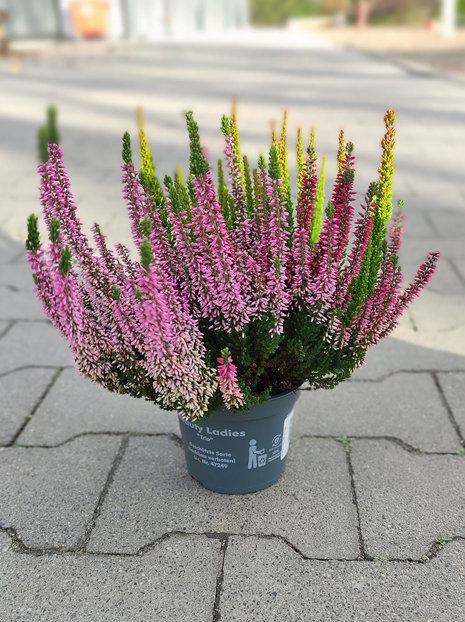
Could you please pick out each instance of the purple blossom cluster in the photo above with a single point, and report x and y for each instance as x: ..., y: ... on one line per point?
x: 235, y: 296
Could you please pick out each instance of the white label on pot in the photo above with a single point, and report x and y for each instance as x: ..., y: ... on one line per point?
x: 286, y: 434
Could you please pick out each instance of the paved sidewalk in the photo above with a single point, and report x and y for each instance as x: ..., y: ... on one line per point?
x: 98, y: 517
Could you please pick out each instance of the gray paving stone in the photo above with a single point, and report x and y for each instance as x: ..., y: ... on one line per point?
x: 75, y: 405
x: 445, y: 279
x: 417, y: 249
x: 159, y: 586
x: 449, y: 224
x: 17, y: 276
x: 266, y: 581
x: 48, y: 495
x: 426, y: 350
x: 406, y: 500
x: 152, y: 494
x: 33, y: 344
x: 438, y: 312
x: 453, y: 386
x: 3, y: 327
x: 460, y: 265
x: 416, y: 224
x: 9, y: 250
x: 19, y: 305
x: 19, y: 393
x: 405, y: 406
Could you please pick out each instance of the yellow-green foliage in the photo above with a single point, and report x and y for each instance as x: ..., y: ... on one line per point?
x: 383, y: 197
x: 341, y: 152
x: 319, y: 204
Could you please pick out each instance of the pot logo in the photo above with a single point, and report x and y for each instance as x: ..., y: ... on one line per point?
x: 257, y: 457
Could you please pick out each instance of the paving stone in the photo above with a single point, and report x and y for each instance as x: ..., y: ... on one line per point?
x: 405, y: 406
x: 19, y: 305
x: 311, y: 505
x: 266, y: 581
x: 433, y: 311
x: 9, y: 249
x: 460, y: 265
x: 158, y: 586
x: 75, y: 405
x: 33, y: 344
x: 406, y: 500
x: 3, y: 327
x: 19, y: 393
x: 18, y: 276
x: 417, y: 225
x: 453, y: 386
x: 449, y: 224
x: 49, y: 495
x: 419, y: 351
x: 445, y: 279
x: 417, y: 249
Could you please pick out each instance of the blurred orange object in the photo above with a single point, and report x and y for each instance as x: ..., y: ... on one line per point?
x: 90, y: 18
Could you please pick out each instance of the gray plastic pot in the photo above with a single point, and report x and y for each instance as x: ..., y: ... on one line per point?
x: 239, y: 452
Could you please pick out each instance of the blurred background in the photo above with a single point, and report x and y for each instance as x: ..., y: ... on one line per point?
x: 101, y: 67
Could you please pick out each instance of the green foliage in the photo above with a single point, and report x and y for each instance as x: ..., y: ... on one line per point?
x: 127, y: 153
x: 33, y: 237
x: 275, y: 12
x: 64, y: 264
x: 345, y: 442
x: 198, y: 164
x: 440, y: 542
x: 54, y: 231
x: 146, y: 254
x: 115, y: 292
x: 48, y: 133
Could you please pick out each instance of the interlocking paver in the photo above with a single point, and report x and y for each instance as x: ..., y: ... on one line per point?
x: 419, y: 351
x: 152, y: 493
x: 453, y: 386
x: 406, y: 500
x: 33, y: 344
x: 74, y: 406
x: 49, y: 495
x: 446, y: 280
x: 417, y: 224
x: 266, y: 581
x: 19, y: 305
x: 416, y: 415
x: 439, y: 312
x: 19, y: 392
x: 159, y: 586
x: 460, y: 265
x: 17, y: 276
x: 448, y: 223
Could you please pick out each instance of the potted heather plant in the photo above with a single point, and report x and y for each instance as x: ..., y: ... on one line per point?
x: 240, y: 293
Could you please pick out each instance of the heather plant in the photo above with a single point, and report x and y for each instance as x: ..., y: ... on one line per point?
x: 239, y: 291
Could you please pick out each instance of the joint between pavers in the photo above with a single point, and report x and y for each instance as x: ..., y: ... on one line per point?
x: 26, y: 367
x: 6, y: 330
x: 361, y: 541
x: 391, y: 439
x: 216, y: 614
x: 19, y: 547
x: 171, y: 435
x: 102, y: 496
x: 447, y: 406
x: 44, y: 394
